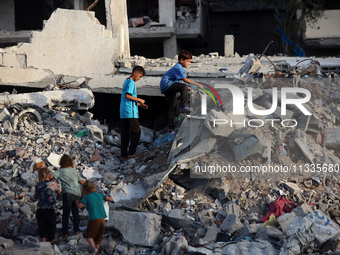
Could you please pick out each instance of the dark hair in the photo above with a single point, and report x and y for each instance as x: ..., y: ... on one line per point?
x: 66, y: 161
x: 184, y: 54
x: 88, y: 187
x: 138, y: 69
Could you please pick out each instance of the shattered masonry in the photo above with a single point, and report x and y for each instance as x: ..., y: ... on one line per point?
x: 162, y: 206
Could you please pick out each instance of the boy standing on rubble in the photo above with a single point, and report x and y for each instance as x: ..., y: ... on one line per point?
x: 96, y: 225
x: 173, y: 81
x: 130, y: 129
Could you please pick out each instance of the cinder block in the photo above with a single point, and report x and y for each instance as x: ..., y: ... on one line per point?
x: 4, y: 115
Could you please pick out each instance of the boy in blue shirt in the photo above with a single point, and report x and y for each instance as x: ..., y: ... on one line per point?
x: 95, y: 206
x: 173, y: 81
x: 129, y: 102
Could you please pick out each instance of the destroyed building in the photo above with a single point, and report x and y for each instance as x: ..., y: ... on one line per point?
x: 162, y: 27
x: 184, y: 193
x: 173, y: 199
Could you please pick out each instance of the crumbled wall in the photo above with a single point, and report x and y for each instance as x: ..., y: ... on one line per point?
x: 72, y: 43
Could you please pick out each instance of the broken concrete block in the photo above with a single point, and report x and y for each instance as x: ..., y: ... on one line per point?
x: 233, y: 208
x: 120, y: 249
x: 126, y: 193
x: 4, y: 115
x: 93, y: 122
x: 292, y: 187
x: 222, y: 124
x: 6, y: 243
x: 285, y: 220
x: 14, y: 121
x: 30, y: 242
x: 78, y: 99
x: 245, y: 145
x: 304, y: 148
x: 324, y: 227
x: 110, y: 246
x: 7, y: 126
x: 219, y: 193
x: 95, y: 132
x: 303, y: 122
x: 61, y: 116
x: 245, y: 247
x: 104, y: 128
x: 332, y: 140
x: 249, y: 229
x: 211, y: 234
x: 175, y: 246
x: 175, y: 213
x: 137, y: 228
x: 301, y: 234
x: 32, y: 113
x: 231, y: 224
x: 302, y: 210
x: 270, y: 234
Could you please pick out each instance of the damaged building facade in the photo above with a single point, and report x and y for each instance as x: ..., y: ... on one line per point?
x: 169, y: 26
x: 209, y: 187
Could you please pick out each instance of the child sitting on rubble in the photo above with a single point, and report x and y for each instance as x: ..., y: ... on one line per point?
x: 70, y: 179
x: 46, y: 191
x: 173, y: 81
x: 95, y: 206
x: 129, y: 102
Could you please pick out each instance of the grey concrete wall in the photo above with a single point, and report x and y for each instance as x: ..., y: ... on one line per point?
x: 72, y: 43
x: 229, y: 45
x: 117, y: 22
x: 7, y: 17
x: 167, y: 16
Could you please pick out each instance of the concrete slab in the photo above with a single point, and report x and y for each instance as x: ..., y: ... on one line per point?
x: 304, y: 148
x: 4, y: 115
x: 219, y: 123
x: 136, y: 228
x: 81, y: 99
x: 245, y: 145
x: 37, y: 78
x: 245, y: 247
x: 95, y: 132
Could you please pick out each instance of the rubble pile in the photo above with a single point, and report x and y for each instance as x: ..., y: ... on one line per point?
x: 185, y: 193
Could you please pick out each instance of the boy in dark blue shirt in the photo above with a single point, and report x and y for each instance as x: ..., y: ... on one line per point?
x: 130, y: 129
x: 173, y: 81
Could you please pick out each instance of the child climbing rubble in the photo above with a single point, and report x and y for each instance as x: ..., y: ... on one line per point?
x: 96, y: 225
x: 173, y: 81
